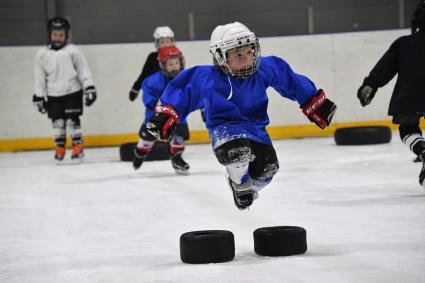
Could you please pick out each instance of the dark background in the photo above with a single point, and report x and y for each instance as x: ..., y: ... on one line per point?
x: 23, y: 22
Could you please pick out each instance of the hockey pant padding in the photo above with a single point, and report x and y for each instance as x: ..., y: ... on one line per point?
x: 59, y: 132
x: 73, y: 126
x: 264, y: 166
x: 245, y: 159
x: 411, y: 135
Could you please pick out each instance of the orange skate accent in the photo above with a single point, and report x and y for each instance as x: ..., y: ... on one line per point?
x: 77, y: 151
x: 60, y: 153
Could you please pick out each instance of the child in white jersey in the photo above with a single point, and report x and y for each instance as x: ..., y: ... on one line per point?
x: 62, y: 79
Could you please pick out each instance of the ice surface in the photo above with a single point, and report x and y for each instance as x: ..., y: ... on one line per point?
x: 101, y: 221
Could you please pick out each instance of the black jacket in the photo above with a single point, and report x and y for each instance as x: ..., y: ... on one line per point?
x: 406, y: 56
x: 151, y: 66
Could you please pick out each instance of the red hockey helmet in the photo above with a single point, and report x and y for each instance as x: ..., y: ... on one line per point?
x: 167, y: 52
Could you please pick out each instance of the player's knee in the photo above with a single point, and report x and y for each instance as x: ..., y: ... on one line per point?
x: 263, y: 179
x: 234, y: 152
x: 73, y: 122
x: 268, y: 172
x: 177, y: 140
x: 58, y: 123
x: 176, y: 145
x: 409, y: 129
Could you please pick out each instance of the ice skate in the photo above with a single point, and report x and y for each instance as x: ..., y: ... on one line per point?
x: 243, y: 195
x: 417, y: 159
x: 59, y: 154
x: 422, y: 175
x: 139, y: 157
x: 77, y: 153
x: 179, y: 165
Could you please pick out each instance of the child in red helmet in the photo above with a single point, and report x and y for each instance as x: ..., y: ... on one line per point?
x: 171, y: 61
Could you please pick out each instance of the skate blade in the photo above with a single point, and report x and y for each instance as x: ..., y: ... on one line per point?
x: 416, y: 160
x: 70, y: 162
x: 182, y: 172
x: 238, y: 206
x: 78, y: 160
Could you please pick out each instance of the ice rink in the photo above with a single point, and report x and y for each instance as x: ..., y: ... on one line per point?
x: 101, y: 221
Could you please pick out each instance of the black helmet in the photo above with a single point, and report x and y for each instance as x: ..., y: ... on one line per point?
x: 417, y: 22
x: 58, y: 23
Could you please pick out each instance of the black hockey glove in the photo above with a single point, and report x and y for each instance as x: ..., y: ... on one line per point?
x: 163, y: 123
x: 320, y: 110
x: 40, y: 103
x: 133, y: 94
x: 90, y: 95
x: 365, y: 94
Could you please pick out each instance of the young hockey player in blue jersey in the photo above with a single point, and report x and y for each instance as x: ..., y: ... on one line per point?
x: 171, y: 61
x: 233, y: 95
x: 405, y: 57
x: 63, y: 76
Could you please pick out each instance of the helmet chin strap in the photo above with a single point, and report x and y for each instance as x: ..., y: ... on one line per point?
x: 56, y: 45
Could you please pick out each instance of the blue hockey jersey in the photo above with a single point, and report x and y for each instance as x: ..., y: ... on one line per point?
x: 153, y: 86
x: 236, y: 108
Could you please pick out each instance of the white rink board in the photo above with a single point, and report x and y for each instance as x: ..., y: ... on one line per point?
x: 335, y: 62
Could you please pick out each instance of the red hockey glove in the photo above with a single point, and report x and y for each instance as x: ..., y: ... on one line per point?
x: 319, y: 109
x: 163, y: 123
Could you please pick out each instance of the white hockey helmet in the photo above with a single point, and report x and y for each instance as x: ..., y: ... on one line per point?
x: 230, y: 36
x: 163, y: 32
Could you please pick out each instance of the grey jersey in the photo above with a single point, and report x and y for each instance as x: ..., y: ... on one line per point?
x: 61, y: 72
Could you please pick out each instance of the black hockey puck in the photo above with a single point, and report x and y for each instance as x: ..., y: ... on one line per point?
x: 362, y: 135
x: 159, y: 152
x: 209, y: 246
x: 280, y: 241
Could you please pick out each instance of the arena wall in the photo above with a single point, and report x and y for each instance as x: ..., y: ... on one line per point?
x: 335, y: 62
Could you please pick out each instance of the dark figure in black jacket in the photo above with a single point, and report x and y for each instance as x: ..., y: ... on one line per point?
x: 405, y: 57
x: 163, y: 36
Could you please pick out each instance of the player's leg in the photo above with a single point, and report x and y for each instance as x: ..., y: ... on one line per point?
x: 411, y: 135
x: 73, y: 111
x: 73, y: 125
x: 264, y: 166
x: 177, y: 148
x: 144, y: 146
x: 236, y: 156
x: 56, y: 113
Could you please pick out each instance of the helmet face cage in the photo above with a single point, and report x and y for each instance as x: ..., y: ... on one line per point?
x: 417, y: 21
x: 158, y: 39
x: 163, y: 65
x: 167, y: 53
x: 220, y: 58
x: 58, y: 23
x: 163, y: 32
